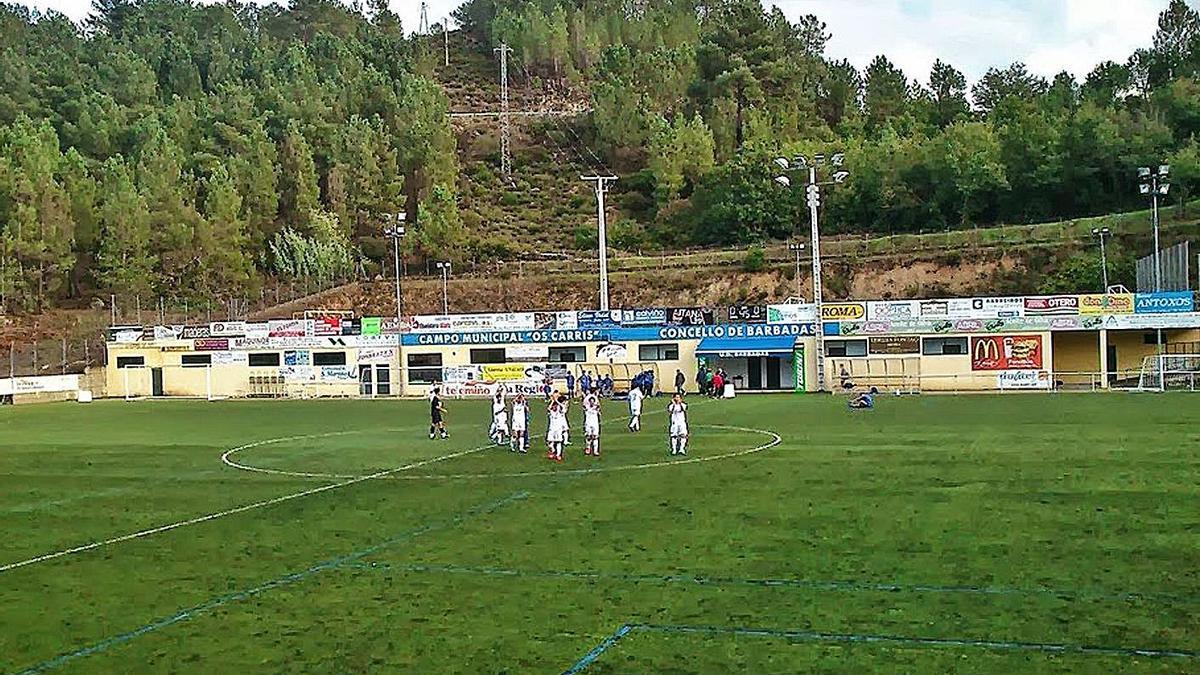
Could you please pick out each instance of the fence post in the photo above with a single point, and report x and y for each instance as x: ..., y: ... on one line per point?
x: 137, y: 299
x: 64, y: 356
x: 35, y: 346
x: 12, y: 360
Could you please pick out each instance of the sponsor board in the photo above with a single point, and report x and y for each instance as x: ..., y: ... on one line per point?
x: 172, y: 349
x: 894, y: 345
x: 289, y: 328
x: 1023, y: 379
x: 1052, y: 305
x: 211, y: 344
x: 798, y: 313
x: 338, y: 374
x: 644, y: 316
x: 394, y: 325
x: 473, y: 322
x: 376, y: 340
x: 377, y: 355
x: 620, y: 334
x: 485, y: 389
x: 747, y: 314
x: 460, y: 373
x: 1149, y: 321
x: 298, y: 373
x: 691, y: 316
x: 1112, y: 303
x: 934, y: 309
x: 343, y: 342
x: 1006, y: 352
x: 527, y: 353
x: 372, y: 326
x: 250, y: 343
x: 506, y: 372
x: 1173, y: 302
x: 324, y: 326
x: 351, y: 326
x: 227, y: 328
x: 593, y: 320
x: 258, y: 330
x: 297, y: 357
x: 843, y: 311
x: 885, y: 311
x: 194, y: 332
x: 612, y: 351
x: 39, y: 385
x: 566, y: 321
x: 125, y: 334
x: 167, y: 333
x: 295, y: 342
x: 996, y: 308
x: 230, y: 359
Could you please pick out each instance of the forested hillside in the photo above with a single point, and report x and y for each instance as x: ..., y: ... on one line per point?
x: 198, y: 153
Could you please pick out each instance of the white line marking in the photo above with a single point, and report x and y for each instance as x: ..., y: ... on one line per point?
x: 241, y: 509
x: 775, y: 440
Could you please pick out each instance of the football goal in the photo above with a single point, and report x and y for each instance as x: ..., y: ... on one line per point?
x: 1170, y: 372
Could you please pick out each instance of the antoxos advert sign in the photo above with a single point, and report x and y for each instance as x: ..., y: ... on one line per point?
x: 1172, y: 302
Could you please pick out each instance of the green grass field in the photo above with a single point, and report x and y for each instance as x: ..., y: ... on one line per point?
x: 969, y: 535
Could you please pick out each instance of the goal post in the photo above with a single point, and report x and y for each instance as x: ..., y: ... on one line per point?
x: 1169, y: 372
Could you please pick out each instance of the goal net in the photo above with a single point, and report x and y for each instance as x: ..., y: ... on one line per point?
x: 1170, y: 372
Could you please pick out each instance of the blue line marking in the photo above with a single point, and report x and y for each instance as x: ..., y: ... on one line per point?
x: 285, y: 580
x: 787, y: 583
x: 591, y: 656
x: 815, y: 636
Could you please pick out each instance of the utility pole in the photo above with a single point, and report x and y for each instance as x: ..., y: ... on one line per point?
x: 423, y: 24
x: 602, y: 183
x: 395, y: 232
x: 446, y: 38
x: 445, y: 268
x: 1103, y: 232
x: 505, y: 128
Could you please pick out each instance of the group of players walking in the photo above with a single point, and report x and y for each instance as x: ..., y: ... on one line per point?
x: 514, y: 427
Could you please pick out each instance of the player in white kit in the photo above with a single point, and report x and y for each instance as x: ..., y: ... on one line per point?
x: 556, y: 433
x: 679, y: 426
x: 499, y: 428
x: 635, y: 409
x: 520, y: 425
x: 591, y: 424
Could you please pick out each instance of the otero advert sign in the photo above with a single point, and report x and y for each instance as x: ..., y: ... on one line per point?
x: 1006, y: 352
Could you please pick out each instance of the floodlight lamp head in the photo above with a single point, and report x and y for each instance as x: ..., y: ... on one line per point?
x: 1144, y: 172
x: 838, y: 159
x: 1164, y: 170
x: 1164, y: 188
x: 801, y: 161
x: 1144, y: 188
x: 819, y: 159
x: 784, y: 181
x: 841, y: 176
x: 782, y: 163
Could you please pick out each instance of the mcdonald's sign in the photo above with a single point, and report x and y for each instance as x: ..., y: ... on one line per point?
x: 1006, y: 352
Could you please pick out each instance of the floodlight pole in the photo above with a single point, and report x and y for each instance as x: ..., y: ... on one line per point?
x: 1103, y: 232
x: 814, y: 201
x: 602, y: 183
x: 396, y: 233
x: 445, y: 269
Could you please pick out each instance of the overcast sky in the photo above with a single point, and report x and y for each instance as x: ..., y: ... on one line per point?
x: 1048, y: 35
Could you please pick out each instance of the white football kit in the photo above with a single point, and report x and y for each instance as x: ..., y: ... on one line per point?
x: 679, y: 426
x: 635, y: 409
x: 591, y: 417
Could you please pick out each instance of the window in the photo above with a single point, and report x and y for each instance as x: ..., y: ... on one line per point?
x: 487, y: 356
x: 1152, y: 338
x: 131, y: 361
x: 953, y: 346
x: 568, y: 354
x: 664, y: 352
x: 846, y: 348
x: 329, y: 359
x: 197, y: 360
x: 424, y: 368
x: 264, y: 359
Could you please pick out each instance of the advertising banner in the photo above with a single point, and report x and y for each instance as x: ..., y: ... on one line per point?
x: 164, y: 333
x: 894, y: 345
x: 258, y: 330
x: 351, y: 327
x: 1151, y: 321
x: 460, y: 373
x: 691, y: 316
x: 227, y: 328
x: 337, y: 342
x: 194, y: 332
x: 527, y: 353
x: 644, y: 316
x: 1112, y: 303
x: 747, y: 314
x: 125, y: 334
x: 1053, y: 305
x: 289, y: 328
x: 338, y: 374
x: 327, y: 325
x: 594, y: 320
x: 39, y: 385
x: 612, y: 351
x: 485, y: 390
x: 799, y: 371
x: 934, y: 309
x: 903, y: 310
x: 506, y: 372
x: 1006, y: 352
x: 298, y: 373
x: 297, y: 357
x: 996, y: 308
x: 377, y: 355
x: 1023, y: 379
x: 843, y: 311
x: 230, y: 359
x: 1172, y: 302
x: 211, y: 345
x: 474, y: 322
x: 797, y: 313
x: 394, y: 326
x: 372, y: 326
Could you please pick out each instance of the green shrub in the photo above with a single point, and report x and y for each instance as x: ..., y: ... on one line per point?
x: 756, y: 259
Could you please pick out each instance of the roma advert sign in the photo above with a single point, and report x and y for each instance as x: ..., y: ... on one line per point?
x: 1006, y: 352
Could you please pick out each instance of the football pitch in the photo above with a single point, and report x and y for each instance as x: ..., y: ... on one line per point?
x: 979, y: 534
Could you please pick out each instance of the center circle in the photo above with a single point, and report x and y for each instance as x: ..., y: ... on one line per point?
x: 397, y: 454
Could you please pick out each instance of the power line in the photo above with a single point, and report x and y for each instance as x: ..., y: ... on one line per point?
x: 598, y: 167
